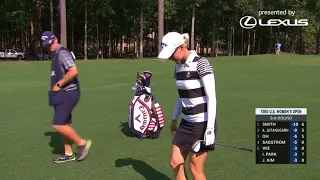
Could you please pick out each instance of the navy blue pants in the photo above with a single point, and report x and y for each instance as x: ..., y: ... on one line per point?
x: 63, y: 103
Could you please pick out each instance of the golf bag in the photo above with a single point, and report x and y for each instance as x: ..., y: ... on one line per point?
x: 145, y: 114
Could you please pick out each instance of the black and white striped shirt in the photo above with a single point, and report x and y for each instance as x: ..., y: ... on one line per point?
x: 196, y: 87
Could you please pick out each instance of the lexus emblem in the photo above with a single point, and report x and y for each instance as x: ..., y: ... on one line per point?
x: 248, y: 22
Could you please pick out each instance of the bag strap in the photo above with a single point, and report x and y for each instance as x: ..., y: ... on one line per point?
x: 158, y: 110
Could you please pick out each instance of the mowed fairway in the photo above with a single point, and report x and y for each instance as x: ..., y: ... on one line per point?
x: 28, y: 142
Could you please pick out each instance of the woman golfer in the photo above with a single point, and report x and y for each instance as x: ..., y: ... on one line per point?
x: 195, y: 82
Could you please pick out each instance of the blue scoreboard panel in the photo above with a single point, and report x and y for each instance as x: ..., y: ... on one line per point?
x: 281, y: 136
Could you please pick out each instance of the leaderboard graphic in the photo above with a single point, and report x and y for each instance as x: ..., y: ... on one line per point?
x: 281, y: 135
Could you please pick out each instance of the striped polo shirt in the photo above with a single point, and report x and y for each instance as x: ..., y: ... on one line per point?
x: 191, y: 89
x: 66, y: 60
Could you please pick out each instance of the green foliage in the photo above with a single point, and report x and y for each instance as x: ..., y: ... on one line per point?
x: 249, y: 7
x: 308, y: 36
x: 93, y: 49
x: 17, y: 14
x: 122, y: 18
x: 103, y: 8
x: 220, y: 43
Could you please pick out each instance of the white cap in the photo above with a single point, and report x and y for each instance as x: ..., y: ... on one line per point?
x: 170, y: 42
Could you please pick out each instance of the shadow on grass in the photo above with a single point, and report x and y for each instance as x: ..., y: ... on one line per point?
x: 126, y: 130
x: 55, y: 142
x: 148, y: 172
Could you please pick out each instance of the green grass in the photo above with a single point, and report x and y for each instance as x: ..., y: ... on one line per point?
x: 243, y: 83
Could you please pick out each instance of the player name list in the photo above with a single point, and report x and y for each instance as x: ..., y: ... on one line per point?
x: 281, y: 135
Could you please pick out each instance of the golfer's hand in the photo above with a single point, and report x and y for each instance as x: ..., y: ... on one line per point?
x: 209, y: 136
x: 56, y: 88
x: 173, y: 127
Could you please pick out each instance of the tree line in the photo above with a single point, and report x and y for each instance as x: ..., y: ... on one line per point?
x: 134, y: 28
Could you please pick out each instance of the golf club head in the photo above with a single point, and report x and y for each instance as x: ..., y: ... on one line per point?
x: 138, y: 82
x: 147, y: 80
x: 134, y: 87
x: 196, y: 146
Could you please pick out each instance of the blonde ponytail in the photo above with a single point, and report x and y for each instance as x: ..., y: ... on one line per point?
x: 186, y: 39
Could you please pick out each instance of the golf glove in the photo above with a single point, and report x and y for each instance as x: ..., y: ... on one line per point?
x: 209, y: 136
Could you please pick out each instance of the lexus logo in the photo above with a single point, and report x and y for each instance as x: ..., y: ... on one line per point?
x: 248, y: 22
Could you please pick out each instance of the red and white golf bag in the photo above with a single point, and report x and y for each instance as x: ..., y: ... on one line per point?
x: 145, y: 114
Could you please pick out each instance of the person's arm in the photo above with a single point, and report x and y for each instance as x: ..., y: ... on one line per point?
x: 206, y: 74
x: 177, y: 110
x: 69, y: 65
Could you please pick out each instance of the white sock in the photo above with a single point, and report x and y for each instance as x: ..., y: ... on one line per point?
x: 68, y: 154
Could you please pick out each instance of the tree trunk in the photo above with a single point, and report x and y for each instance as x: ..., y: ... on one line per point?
x: 110, y: 43
x: 242, y: 45
x: 129, y: 45
x: 155, y: 42
x: 137, y: 43
x: 51, y: 17
x: 32, y: 40
x: 248, y: 48
x: 141, y: 32
x: 63, y: 23
x: 229, y: 44
x: 259, y: 46
x: 318, y: 39
x: 27, y: 34
x: 254, y: 42
x: 85, y: 46
x: 98, y: 35
x: 213, y: 45
x: 278, y: 34
x: 38, y: 25
x: 72, y: 33
x: 121, y: 44
x: 23, y: 41
x: 232, y: 41
x: 2, y: 41
x: 286, y: 42
x: 160, y: 23
x: 192, y: 27
x: 295, y: 39
x: 270, y: 41
x: 15, y: 41
x: 72, y: 28
x: 115, y: 45
x: 208, y: 45
x: 201, y: 47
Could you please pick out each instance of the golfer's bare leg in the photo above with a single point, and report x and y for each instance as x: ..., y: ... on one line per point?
x: 70, y: 133
x: 67, y: 145
x: 197, y: 162
x: 177, y: 163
